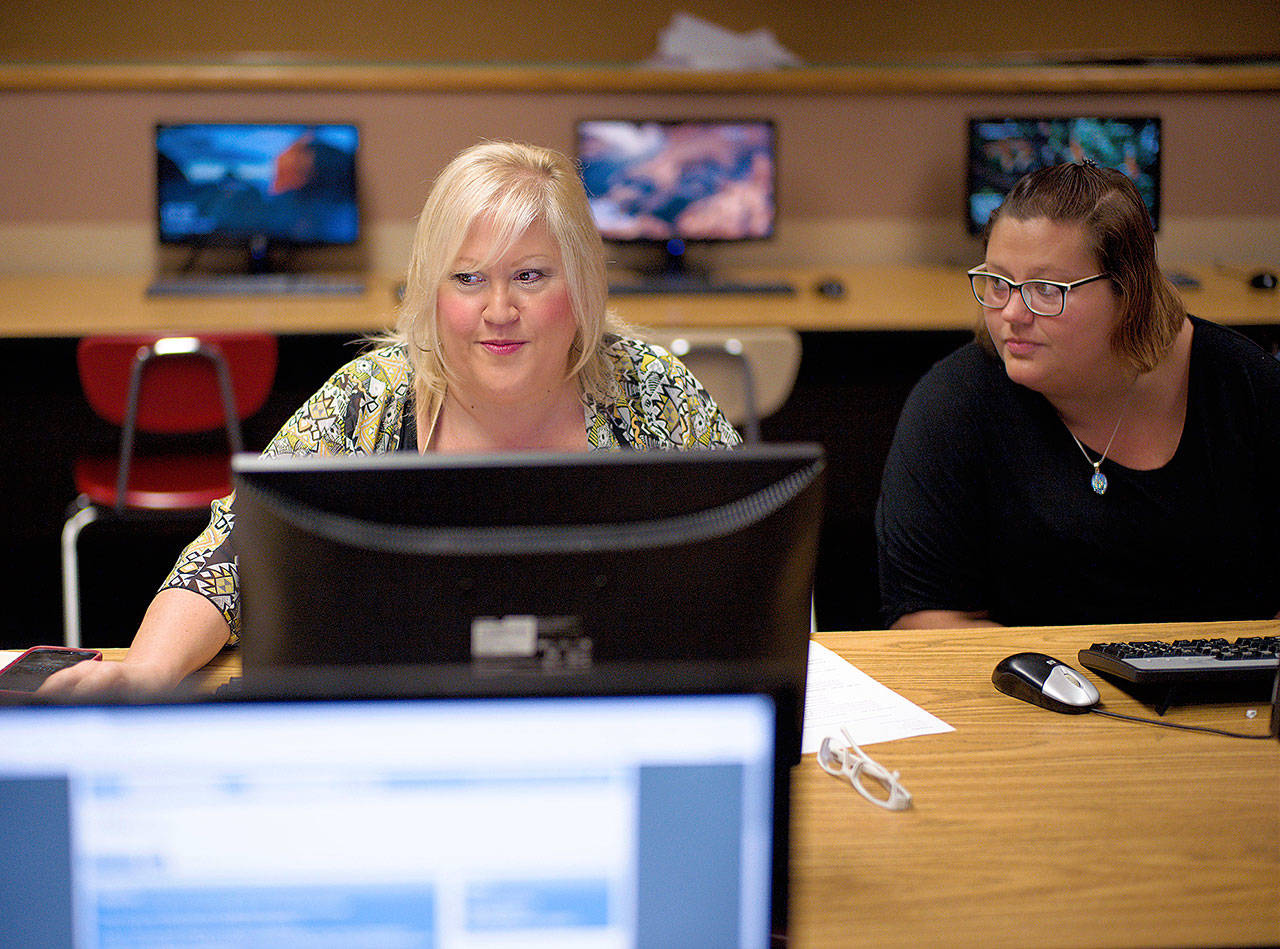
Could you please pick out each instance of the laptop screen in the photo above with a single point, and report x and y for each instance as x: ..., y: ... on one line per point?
x: 586, y: 821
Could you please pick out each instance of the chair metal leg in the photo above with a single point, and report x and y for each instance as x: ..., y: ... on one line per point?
x: 78, y: 521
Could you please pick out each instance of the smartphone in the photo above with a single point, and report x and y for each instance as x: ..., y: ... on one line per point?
x: 35, y: 665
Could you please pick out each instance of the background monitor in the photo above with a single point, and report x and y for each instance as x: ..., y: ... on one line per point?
x: 220, y: 184
x: 1003, y: 149
x: 530, y: 563
x: 670, y: 182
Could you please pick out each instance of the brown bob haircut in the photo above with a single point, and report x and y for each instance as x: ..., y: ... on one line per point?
x: 1106, y: 204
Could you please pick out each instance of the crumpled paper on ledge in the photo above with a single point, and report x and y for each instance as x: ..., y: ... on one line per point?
x: 689, y: 42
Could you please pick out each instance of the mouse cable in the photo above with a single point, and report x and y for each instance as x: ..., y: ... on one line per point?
x: 1189, y: 728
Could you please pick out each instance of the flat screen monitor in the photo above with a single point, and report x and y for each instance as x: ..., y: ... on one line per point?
x: 256, y: 184
x: 667, y: 183
x: 530, y: 563
x: 392, y: 820
x: 1003, y: 149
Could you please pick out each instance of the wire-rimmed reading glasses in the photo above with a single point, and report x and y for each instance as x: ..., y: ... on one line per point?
x: 1042, y: 297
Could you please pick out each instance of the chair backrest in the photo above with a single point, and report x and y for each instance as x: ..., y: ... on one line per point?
x: 750, y: 371
x: 179, y: 389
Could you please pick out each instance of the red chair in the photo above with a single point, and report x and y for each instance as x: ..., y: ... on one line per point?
x: 161, y: 385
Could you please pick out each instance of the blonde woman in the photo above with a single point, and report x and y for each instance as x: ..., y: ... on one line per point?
x: 504, y: 343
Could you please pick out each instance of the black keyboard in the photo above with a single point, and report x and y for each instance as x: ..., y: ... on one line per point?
x: 206, y: 285
x: 685, y: 285
x: 1248, y: 662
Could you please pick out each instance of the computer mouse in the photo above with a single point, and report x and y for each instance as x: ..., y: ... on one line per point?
x: 830, y: 287
x: 1044, y: 681
x: 1263, y: 280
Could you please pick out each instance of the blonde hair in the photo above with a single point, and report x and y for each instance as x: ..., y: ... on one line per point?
x: 514, y: 187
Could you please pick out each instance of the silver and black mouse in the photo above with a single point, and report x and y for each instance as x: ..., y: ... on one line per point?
x: 1044, y: 681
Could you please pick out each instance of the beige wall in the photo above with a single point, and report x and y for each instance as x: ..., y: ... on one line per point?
x: 863, y: 178
x: 827, y: 31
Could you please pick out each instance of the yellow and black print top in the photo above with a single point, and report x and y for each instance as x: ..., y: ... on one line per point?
x: 366, y: 407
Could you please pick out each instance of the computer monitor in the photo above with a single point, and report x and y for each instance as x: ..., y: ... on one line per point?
x: 393, y: 819
x: 256, y: 186
x: 1003, y: 149
x: 668, y: 183
x: 530, y: 563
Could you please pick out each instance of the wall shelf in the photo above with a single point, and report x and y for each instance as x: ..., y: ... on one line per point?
x: 285, y: 75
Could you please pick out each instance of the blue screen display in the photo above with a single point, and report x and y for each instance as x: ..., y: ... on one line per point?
x: 228, y: 183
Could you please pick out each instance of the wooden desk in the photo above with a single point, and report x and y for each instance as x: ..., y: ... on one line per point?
x: 875, y: 299
x: 1029, y: 827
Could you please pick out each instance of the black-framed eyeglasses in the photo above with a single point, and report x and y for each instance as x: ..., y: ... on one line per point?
x: 1042, y: 297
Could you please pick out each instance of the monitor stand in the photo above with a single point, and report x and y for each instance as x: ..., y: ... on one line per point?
x: 674, y: 273
x: 256, y: 256
x: 674, y: 270
x: 259, y: 257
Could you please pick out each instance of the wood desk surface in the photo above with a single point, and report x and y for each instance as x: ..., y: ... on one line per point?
x: 1032, y: 828
x: 1029, y: 827
x: 874, y: 298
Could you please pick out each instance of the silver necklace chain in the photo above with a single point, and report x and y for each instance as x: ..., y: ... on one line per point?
x: 1099, y: 481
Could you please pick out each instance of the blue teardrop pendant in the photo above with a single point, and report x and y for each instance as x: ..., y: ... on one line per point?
x: 1098, y: 482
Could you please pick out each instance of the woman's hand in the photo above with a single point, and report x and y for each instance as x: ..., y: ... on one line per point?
x: 180, y: 633
x: 119, y: 681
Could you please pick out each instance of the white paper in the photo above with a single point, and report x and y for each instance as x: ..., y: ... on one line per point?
x: 8, y: 655
x: 838, y: 694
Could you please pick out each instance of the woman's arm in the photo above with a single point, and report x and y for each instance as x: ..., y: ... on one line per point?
x: 180, y: 633
x: 183, y: 629
x: 941, y: 619
x: 931, y: 523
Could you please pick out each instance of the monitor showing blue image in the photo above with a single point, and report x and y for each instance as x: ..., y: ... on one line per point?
x: 220, y: 184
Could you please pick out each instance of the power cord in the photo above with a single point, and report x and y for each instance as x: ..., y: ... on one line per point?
x: 1189, y: 728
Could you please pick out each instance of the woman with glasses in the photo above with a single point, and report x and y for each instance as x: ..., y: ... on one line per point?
x: 1096, y: 455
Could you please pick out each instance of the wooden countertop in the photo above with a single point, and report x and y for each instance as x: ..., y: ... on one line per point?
x: 885, y: 298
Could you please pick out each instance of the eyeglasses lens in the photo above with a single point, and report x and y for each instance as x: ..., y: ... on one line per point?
x: 1045, y: 299
x: 990, y: 291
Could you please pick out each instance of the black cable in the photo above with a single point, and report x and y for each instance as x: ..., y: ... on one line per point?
x: 1189, y: 728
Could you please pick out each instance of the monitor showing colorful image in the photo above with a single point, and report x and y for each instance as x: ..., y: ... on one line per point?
x: 1002, y: 150
x: 651, y: 180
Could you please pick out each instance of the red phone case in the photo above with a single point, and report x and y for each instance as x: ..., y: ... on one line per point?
x: 38, y: 663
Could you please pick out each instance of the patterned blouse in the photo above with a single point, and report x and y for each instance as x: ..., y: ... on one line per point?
x: 362, y: 409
